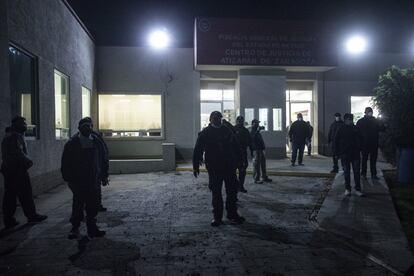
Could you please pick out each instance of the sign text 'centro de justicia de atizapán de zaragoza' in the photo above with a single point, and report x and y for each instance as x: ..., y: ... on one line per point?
x: 250, y: 42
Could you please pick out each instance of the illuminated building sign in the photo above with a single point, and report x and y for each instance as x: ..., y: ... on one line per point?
x: 243, y: 42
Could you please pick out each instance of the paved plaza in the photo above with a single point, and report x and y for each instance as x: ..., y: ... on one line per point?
x: 159, y: 224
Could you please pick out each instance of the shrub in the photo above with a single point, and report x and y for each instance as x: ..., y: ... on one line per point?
x: 394, y: 97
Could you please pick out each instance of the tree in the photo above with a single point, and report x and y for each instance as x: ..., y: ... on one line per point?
x: 394, y: 97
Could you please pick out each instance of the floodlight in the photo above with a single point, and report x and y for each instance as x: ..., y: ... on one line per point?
x: 159, y: 39
x: 356, y: 44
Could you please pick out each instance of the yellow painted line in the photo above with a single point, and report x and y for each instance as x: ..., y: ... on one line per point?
x: 276, y: 173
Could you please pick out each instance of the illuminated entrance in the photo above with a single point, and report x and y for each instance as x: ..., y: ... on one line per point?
x: 299, y: 99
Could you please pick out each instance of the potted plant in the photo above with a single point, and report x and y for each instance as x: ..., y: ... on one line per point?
x: 394, y: 97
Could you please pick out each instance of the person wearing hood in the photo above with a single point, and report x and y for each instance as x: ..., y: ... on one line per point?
x: 370, y: 127
x: 336, y: 124
x: 82, y: 168
x: 221, y: 152
x: 15, y: 165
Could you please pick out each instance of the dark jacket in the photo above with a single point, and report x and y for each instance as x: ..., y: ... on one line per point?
x: 369, y: 127
x: 103, y: 153
x: 220, y: 149
x: 257, y: 139
x: 243, y: 138
x: 333, y: 129
x: 103, y: 148
x: 298, y: 132
x: 82, y: 166
x: 14, y: 153
x: 310, y: 132
x: 348, y: 142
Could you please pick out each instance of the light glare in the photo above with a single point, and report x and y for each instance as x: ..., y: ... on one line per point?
x: 159, y: 39
x: 356, y: 44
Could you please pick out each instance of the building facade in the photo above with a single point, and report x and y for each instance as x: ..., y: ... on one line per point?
x: 53, y: 73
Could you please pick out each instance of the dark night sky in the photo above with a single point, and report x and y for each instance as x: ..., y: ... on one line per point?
x: 390, y: 24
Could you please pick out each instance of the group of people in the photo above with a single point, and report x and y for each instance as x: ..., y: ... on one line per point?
x: 84, y: 166
x: 352, y: 142
x: 223, y: 147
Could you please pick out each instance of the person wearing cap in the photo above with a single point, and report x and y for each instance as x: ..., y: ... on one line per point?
x: 259, y: 158
x: 104, y: 154
x: 82, y: 168
x: 370, y: 128
x: 15, y: 165
x: 348, y: 147
x: 336, y: 124
x: 298, y: 133
x: 245, y: 141
x: 221, y: 154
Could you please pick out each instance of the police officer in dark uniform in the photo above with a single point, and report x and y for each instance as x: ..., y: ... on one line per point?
x: 104, y: 153
x: 245, y: 141
x: 14, y: 167
x: 369, y: 127
x: 337, y: 124
x: 259, y: 158
x: 221, y: 154
x: 298, y: 133
x: 82, y: 168
x: 348, y: 146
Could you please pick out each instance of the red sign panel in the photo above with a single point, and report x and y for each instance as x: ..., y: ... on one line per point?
x: 246, y: 42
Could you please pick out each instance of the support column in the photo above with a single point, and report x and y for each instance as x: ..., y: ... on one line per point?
x: 265, y: 89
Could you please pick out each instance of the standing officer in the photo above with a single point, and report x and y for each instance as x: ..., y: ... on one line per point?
x: 82, y: 168
x: 221, y: 154
x: 104, y: 154
x: 298, y: 133
x: 259, y: 158
x: 244, y: 140
x: 369, y: 127
x: 348, y: 147
x: 14, y: 168
x: 337, y: 124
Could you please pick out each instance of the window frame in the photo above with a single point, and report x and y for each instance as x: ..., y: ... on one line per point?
x: 90, y: 100
x: 140, y: 138
x: 35, y: 75
x: 60, y: 72
x: 222, y: 102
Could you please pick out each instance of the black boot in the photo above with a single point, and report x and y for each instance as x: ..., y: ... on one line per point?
x: 93, y: 231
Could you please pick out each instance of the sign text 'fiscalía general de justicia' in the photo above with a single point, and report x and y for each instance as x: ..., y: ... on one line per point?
x: 246, y: 42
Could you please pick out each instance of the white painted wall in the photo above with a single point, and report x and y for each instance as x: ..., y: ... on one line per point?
x: 130, y: 70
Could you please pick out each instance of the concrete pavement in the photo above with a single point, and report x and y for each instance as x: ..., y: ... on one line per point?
x: 158, y: 224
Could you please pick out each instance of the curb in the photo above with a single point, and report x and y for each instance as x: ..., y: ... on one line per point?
x: 277, y: 173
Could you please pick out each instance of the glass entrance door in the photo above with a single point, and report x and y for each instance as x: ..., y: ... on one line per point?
x: 298, y: 101
x: 304, y: 108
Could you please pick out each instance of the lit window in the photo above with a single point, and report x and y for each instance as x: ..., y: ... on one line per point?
x: 217, y: 100
x: 300, y: 95
x: 23, y: 89
x: 263, y: 118
x: 130, y: 115
x: 61, y: 105
x: 248, y: 116
x: 86, y: 102
x: 358, y: 105
x: 277, y: 119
